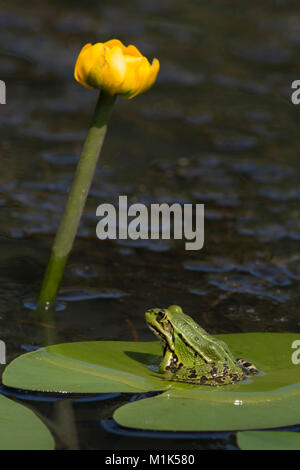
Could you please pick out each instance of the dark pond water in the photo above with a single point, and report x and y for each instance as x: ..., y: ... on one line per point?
x: 218, y: 128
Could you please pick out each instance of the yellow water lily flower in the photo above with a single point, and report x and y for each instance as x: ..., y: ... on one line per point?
x: 115, y: 68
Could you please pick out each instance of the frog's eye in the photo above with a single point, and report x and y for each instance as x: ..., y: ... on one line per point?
x: 160, y: 316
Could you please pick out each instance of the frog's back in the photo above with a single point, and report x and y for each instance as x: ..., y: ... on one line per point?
x: 193, y: 333
x: 209, y: 348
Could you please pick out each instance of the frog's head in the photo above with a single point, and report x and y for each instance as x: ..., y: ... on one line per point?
x: 161, y: 322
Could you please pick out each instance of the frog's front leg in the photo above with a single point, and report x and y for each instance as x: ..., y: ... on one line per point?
x: 169, y: 360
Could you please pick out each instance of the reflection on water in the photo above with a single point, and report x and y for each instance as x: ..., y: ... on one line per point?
x: 218, y: 128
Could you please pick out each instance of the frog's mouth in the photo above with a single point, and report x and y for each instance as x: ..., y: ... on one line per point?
x: 163, y: 337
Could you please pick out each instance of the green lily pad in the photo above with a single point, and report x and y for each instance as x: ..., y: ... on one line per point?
x: 184, y: 410
x: 21, y: 429
x: 268, y: 440
x: 87, y: 367
x: 269, y: 399
x: 124, y: 366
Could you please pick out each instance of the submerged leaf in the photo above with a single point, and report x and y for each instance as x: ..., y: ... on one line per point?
x: 21, y: 429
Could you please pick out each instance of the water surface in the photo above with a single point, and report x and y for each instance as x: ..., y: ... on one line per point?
x: 218, y: 128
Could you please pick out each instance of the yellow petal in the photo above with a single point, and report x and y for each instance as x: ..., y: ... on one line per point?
x: 78, y: 66
x: 113, y: 72
x: 146, y: 76
x: 88, y: 57
x: 133, y: 51
x: 115, y: 42
x: 131, y: 80
x: 152, y: 74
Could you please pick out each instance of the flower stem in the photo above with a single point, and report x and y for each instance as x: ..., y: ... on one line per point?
x: 71, y: 217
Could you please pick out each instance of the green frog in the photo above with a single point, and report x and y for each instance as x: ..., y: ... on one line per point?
x: 190, y: 354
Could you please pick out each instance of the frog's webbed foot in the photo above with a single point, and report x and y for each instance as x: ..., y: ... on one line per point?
x: 248, y: 367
